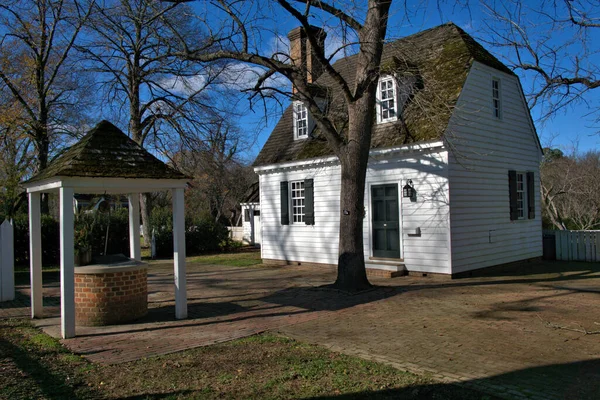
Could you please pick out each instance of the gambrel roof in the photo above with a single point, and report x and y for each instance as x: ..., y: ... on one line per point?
x: 437, y: 60
x: 107, y: 152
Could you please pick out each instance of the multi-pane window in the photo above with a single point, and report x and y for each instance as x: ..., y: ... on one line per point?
x: 300, y: 120
x: 387, y: 100
x: 297, y: 197
x: 496, y: 97
x: 521, y: 195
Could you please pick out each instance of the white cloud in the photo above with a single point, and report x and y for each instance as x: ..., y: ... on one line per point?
x: 184, y: 85
x: 242, y: 76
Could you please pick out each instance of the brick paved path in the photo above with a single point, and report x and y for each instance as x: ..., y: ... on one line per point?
x: 495, y: 334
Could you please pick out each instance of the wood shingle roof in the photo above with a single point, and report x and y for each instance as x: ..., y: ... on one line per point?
x: 107, y: 152
x: 437, y: 61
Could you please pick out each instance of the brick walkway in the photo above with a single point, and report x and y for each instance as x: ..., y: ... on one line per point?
x: 496, y: 334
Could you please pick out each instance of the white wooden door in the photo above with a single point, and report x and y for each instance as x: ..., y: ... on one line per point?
x: 257, y: 230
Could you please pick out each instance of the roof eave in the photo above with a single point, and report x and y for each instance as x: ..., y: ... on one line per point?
x: 379, y: 153
x: 96, y: 185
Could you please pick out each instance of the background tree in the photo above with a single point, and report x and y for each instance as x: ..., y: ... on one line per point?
x: 221, y: 175
x: 553, y: 42
x: 36, y: 39
x: 16, y: 155
x: 166, y: 100
x: 237, y: 34
x: 571, y: 190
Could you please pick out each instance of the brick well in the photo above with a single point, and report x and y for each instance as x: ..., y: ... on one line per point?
x: 108, y: 298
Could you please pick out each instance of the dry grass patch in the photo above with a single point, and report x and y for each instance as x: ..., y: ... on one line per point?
x: 260, y: 367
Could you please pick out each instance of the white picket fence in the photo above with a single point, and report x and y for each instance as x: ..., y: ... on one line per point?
x: 577, y: 245
x: 7, y: 262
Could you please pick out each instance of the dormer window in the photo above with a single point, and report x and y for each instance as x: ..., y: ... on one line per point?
x: 300, y: 120
x: 496, y: 100
x: 386, y: 100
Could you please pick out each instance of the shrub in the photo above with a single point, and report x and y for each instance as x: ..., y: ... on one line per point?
x: 201, y: 234
x: 161, y: 226
x: 50, y: 240
x: 90, y: 229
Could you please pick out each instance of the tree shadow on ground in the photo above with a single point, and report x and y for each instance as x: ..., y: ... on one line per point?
x: 52, y: 385
x: 578, y: 380
x: 544, y: 272
x: 279, y: 304
x: 566, y: 270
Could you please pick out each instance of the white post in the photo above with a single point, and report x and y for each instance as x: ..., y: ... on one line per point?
x: 179, y: 254
x: 67, y: 261
x: 35, y: 254
x: 134, y: 227
x: 7, y: 262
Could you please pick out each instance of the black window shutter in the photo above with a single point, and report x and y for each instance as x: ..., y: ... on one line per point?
x: 246, y: 215
x: 512, y: 194
x: 309, y: 203
x: 530, y: 196
x: 285, y: 209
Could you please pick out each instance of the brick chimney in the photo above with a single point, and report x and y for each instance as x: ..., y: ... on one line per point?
x: 304, y: 55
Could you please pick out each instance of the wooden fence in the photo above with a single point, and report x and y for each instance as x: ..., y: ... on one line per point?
x: 577, y: 245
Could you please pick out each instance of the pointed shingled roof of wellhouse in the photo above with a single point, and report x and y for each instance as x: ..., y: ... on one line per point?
x: 107, y: 152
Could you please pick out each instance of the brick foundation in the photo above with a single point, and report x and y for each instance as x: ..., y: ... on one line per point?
x: 371, y: 272
x: 107, y: 298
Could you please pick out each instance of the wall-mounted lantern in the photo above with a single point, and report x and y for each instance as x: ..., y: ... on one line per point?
x: 408, y: 190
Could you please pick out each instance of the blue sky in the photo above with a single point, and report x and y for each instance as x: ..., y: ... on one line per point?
x: 570, y: 128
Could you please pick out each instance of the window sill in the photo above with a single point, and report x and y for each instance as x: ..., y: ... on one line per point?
x: 386, y: 121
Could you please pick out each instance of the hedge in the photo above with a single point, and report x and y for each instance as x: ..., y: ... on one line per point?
x: 93, y: 224
x: 201, y: 235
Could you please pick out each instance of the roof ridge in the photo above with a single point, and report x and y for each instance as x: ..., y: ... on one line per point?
x: 106, y: 151
x: 475, y: 47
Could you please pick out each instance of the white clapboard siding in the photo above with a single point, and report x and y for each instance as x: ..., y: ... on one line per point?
x: 428, y: 252
x: 482, y: 151
x: 577, y: 245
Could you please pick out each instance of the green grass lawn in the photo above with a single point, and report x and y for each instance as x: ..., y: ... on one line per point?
x: 35, y: 366
x: 238, y: 259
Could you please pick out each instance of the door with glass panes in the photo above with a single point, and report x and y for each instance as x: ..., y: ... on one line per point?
x: 385, y: 221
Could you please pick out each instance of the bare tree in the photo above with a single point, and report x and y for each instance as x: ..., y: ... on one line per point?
x: 128, y: 48
x: 554, y: 42
x: 238, y: 35
x: 221, y: 177
x: 36, y: 39
x: 571, y: 190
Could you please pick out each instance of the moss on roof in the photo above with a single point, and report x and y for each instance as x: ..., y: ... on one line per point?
x: 107, y: 152
x: 437, y: 61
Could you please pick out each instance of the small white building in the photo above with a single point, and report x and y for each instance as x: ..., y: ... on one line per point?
x: 251, y: 229
x: 453, y: 126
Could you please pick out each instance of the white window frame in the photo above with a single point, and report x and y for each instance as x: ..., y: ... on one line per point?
x: 496, y: 97
x: 383, y: 97
x: 301, y: 120
x: 522, y: 201
x: 297, y: 202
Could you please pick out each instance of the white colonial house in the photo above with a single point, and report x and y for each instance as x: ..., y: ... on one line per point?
x: 453, y: 176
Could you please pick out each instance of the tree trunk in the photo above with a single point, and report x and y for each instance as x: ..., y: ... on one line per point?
x: 352, y: 275
x: 42, y: 144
